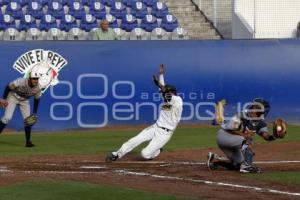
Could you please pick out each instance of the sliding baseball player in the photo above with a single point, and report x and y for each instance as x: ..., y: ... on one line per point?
x: 17, y: 93
x: 159, y: 133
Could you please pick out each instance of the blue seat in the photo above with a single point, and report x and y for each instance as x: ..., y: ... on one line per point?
x: 129, y: 22
x: 69, y: 2
x: 6, y: 2
x: 139, y: 10
x: 27, y: 22
x: 88, y: 22
x: 97, y: 9
x: 149, y: 22
x: 160, y: 10
x: 76, y: 9
x: 35, y: 9
x: 130, y: 3
x: 169, y: 23
x: 150, y: 3
x: 90, y: 2
x: 14, y: 9
x: 48, y: 22
x: 68, y: 22
x: 112, y: 21
x: 49, y: 2
x: 109, y: 3
x: 118, y: 10
x: 7, y: 22
x: 55, y: 9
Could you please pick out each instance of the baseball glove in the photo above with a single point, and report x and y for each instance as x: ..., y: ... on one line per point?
x: 31, y: 120
x: 279, y: 128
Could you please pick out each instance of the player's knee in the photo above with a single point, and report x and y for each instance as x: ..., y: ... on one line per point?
x: 146, y: 154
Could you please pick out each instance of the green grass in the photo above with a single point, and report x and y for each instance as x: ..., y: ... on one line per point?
x: 292, y: 178
x: 103, y: 141
x: 49, y: 190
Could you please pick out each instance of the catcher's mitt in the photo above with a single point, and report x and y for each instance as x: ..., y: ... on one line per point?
x: 279, y: 128
x: 31, y: 120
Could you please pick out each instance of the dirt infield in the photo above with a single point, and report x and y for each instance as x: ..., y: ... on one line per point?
x: 180, y: 173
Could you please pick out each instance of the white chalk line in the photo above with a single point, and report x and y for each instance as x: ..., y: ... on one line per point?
x: 206, y: 182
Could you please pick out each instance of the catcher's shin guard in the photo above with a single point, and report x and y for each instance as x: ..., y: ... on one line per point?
x: 248, y: 154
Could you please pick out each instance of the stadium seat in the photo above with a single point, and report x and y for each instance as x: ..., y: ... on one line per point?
x: 110, y: 3
x: 7, y: 22
x: 56, y: 10
x: 14, y: 9
x: 67, y: 23
x: 11, y: 34
x: 76, y: 34
x: 149, y: 22
x: 118, y: 10
x: 35, y: 9
x: 129, y: 22
x: 159, y: 34
x: 121, y: 34
x: 130, y: 3
x: 48, y: 22
x: 88, y: 23
x: 139, y: 34
x: 150, y: 3
x: 54, y: 34
x: 160, y: 10
x: 179, y: 34
x: 169, y: 23
x: 139, y: 10
x: 97, y: 9
x: 69, y: 2
x: 112, y: 21
x: 33, y: 34
x: 27, y: 22
x: 76, y: 10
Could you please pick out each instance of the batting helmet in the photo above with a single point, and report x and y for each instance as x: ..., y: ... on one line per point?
x: 170, y: 89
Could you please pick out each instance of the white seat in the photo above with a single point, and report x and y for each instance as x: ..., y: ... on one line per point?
x: 121, y: 34
x: 54, y: 34
x: 11, y: 34
x: 139, y: 34
x: 179, y: 34
x: 33, y: 34
x: 159, y: 34
x: 76, y: 34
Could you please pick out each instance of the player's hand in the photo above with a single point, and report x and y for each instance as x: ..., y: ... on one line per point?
x: 3, y: 103
x: 249, y: 135
x: 161, y: 69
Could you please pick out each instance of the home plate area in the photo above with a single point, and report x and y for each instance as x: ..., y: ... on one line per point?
x: 182, y: 178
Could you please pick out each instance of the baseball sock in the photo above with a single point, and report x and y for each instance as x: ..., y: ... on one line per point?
x: 2, y: 126
x: 28, y: 133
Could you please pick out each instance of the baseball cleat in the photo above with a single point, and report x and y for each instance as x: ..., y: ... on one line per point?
x: 29, y: 144
x: 209, y: 162
x: 111, y: 157
x: 249, y: 169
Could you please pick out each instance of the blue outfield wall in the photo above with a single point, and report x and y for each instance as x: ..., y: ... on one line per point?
x: 109, y: 83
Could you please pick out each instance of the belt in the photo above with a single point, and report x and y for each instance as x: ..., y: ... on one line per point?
x: 163, y: 128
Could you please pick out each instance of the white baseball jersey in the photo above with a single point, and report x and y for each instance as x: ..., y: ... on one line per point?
x: 22, y: 91
x: 170, y: 113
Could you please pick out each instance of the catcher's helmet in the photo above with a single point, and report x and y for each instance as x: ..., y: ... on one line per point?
x: 170, y: 89
x: 265, y: 104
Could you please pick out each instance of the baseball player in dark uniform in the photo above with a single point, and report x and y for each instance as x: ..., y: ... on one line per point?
x: 17, y: 93
x: 235, y: 138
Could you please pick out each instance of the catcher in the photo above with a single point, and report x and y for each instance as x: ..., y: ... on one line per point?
x: 235, y: 138
x: 18, y: 93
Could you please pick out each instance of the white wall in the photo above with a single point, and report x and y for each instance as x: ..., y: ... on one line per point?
x: 267, y: 18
